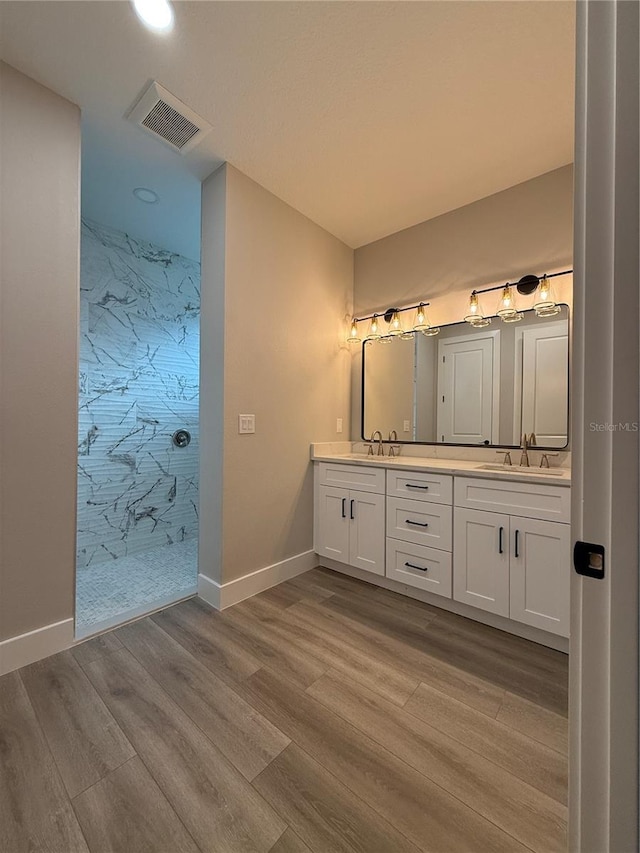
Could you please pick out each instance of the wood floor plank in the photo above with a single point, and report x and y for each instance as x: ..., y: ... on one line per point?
x: 534, y: 818
x: 190, y: 624
x: 422, y: 811
x: 35, y: 811
x: 83, y: 736
x: 537, y: 677
x: 538, y: 765
x: 215, y: 802
x: 308, y: 590
x: 247, y: 739
x: 332, y: 648
x: 127, y: 812
x: 536, y: 722
x: 301, y: 667
x: 322, y: 811
x: 405, y: 658
x: 95, y: 648
x: 289, y: 842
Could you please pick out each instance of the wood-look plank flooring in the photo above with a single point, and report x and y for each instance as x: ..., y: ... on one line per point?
x: 323, y: 715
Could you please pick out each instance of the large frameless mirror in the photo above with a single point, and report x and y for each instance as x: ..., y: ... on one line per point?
x: 471, y: 386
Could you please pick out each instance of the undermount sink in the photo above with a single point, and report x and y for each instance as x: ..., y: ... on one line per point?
x: 516, y: 469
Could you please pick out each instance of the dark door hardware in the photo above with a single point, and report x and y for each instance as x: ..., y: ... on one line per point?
x: 417, y: 523
x: 419, y: 568
x: 588, y: 560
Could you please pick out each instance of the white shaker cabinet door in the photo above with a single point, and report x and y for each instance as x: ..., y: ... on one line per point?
x: 367, y: 539
x: 481, y: 560
x: 333, y: 524
x: 540, y: 574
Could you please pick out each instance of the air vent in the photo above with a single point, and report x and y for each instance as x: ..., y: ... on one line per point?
x: 160, y: 113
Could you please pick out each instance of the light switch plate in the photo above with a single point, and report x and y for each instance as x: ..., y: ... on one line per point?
x: 246, y: 424
x: 407, y: 426
x: 338, y: 424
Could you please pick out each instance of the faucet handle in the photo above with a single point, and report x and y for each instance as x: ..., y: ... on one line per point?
x: 544, y: 459
x: 507, y: 456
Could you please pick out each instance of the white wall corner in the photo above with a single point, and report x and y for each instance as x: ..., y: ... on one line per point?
x: 225, y: 595
x: 35, y: 645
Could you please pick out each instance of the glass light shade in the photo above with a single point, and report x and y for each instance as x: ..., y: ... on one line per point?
x: 374, y: 329
x: 506, y: 307
x: 545, y: 305
x: 421, y: 319
x: 407, y: 336
x: 479, y: 322
x: 475, y: 317
x: 395, y: 327
x: 515, y: 317
x: 353, y: 334
x: 431, y: 331
x: 386, y: 339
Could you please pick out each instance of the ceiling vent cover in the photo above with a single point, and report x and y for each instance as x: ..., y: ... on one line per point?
x: 160, y: 113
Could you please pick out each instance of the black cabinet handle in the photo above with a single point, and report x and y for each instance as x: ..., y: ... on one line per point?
x: 351, y: 510
x: 500, y: 535
x: 417, y: 523
x: 419, y: 568
x: 344, y: 507
x: 413, y: 486
x: 517, y: 543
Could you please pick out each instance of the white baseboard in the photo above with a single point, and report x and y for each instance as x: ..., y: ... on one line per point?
x: 35, y: 645
x: 544, y: 638
x: 232, y: 592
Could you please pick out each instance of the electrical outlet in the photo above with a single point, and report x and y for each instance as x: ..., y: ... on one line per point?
x: 339, y: 425
x: 246, y: 424
x: 407, y: 426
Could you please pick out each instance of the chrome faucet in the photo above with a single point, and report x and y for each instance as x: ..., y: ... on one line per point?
x: 380, y: 447
x: 524, y: 456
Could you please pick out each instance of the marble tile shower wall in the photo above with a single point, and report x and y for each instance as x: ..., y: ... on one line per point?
x: 139, y: 351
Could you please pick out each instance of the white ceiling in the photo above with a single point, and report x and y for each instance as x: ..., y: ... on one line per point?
x: 366, y: 117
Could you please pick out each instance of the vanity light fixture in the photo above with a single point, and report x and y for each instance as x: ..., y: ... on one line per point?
x: 353, y: 333
x: 421, y: 322
x: 545, y: 305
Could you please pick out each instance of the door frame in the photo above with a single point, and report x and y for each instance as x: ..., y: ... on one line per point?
x: 603, y: 664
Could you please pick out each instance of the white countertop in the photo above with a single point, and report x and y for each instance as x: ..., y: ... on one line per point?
x: 459, y: 467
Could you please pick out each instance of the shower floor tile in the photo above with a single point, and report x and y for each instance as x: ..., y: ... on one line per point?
x: 117, y: 590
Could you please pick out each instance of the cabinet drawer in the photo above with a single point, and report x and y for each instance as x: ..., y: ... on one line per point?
x: 530, y: 500
x: 419, y: 566
x: 419, y: 522
x: 420, y: 486
x: 358, y: 477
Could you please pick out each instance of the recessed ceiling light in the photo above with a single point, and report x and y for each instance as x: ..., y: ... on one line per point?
x: 146, y: 195
x: 157, y: 15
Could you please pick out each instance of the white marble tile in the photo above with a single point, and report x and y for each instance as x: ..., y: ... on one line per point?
x: 138, y: 383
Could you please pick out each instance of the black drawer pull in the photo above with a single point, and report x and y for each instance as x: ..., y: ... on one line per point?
x: 417, y: 523
x: 419, y: 568
x: 413, y: 486
x: 517, y: 543
x: 351, y: 511
x: 500, y: 535
x: 344, y: 507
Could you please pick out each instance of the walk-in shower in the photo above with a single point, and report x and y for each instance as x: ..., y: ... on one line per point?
x: 138, y: 427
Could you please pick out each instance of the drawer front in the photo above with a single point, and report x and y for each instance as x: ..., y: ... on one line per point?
x: 419, y: 522
x: 419, y: 566
x: 530, y: 500
x: 420, y: 486
x: 358, y: 477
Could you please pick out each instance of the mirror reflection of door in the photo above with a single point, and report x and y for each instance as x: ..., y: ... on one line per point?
x: 468, y: 389
x: 542, y: 401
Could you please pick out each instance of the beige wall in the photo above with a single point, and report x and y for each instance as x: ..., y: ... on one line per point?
x: 525, y: 229
x: 287, y: 289
x: 39, y: 189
